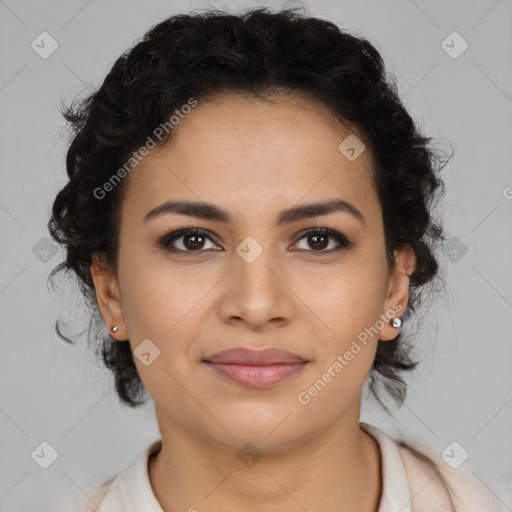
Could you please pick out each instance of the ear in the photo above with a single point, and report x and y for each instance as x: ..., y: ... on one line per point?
x: 397, y: 296
x: 108, y: 296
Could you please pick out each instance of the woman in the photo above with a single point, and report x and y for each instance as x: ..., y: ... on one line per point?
x: 249, y: 210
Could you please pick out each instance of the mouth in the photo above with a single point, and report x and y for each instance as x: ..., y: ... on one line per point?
x: 253, y: 376
x: 256, y: 369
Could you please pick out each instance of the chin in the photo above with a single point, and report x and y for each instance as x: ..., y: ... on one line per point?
x: 271, y: 436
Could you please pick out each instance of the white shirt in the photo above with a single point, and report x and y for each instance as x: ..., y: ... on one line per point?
x: 407, y: 485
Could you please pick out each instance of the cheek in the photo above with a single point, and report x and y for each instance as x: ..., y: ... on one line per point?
x: 163, y: 304
x: 350, y: 307
x: 160, y: 308
x: 349, y: 303
x: 349, y: 299
x: 156, y: 297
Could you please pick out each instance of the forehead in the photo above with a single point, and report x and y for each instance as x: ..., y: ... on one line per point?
x: 245, y: 153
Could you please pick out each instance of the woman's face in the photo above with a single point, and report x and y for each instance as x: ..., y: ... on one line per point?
x: 256, y: 280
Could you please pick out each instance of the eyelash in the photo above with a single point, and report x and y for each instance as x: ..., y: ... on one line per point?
x: 342, y: 240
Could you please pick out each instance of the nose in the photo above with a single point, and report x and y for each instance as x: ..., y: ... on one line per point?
x: 256, y: 292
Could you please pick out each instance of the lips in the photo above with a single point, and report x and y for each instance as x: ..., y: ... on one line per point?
x: 256, y: 369
x: 248, y: 357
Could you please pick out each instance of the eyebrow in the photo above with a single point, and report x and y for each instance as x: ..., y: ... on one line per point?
x: 212, y: 212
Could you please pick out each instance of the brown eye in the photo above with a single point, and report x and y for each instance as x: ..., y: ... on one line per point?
x: 189, y: 240
x: 193, y: 241
x: 318, y: 240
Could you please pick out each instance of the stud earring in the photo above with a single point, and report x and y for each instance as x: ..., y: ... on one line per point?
x: 396, y: 321
x: 114, y: 328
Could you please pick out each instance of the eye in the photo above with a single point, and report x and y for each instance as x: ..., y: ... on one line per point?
x: 319, y: 239
x: 193, y: 240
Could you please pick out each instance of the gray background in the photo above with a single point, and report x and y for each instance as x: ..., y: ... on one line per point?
x: 49, y: 391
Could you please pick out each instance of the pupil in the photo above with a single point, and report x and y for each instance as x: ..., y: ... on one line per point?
x: 316, y: 237
x: 194, y: 245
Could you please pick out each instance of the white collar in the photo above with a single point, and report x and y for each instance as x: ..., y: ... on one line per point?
x: 396, y: 493
x: 131, y: 490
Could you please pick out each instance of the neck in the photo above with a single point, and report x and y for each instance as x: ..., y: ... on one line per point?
x: 339, y: 469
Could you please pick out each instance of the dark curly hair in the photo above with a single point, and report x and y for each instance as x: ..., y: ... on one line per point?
x: 257, y: 53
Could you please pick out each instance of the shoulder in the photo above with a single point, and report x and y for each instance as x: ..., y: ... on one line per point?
x: 434, y: 485
x: 131, y: 485
x: 98, y: 494
x: 91, y: 499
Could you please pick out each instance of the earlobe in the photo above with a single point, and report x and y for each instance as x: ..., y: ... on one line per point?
x: 398, y: 292
x: 108, y: 296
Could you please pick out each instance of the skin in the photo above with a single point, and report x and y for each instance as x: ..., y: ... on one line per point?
x: 255, y: 158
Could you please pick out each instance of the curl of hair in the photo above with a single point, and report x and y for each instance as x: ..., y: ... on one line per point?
x: 257, y: 54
